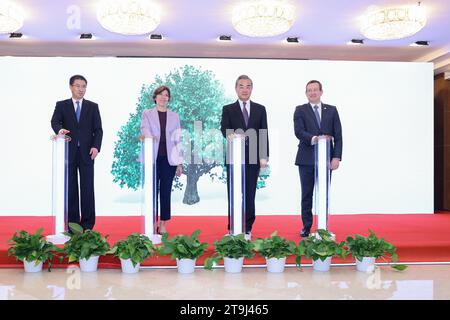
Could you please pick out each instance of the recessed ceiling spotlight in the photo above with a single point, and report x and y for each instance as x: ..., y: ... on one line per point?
x: 225, y: 38
x: 419, y: 43
x: 355, y: 42
x: 86, y: 36
x: 156, y: 37
x: 292, y: 39
x: 15, y: 35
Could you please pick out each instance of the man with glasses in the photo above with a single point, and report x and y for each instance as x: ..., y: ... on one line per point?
x: 80, y: 119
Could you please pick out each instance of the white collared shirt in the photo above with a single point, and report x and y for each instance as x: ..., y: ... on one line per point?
x: 75, y: 104
x: 319, y: 109
x: 247, y: 106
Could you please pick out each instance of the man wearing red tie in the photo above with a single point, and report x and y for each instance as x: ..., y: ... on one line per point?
x: 80, y: 119
x: 249, y: 117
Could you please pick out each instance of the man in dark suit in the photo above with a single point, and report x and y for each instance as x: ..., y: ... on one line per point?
x: 249, y: 118
x: 80, y: 119
x: 312, y: 120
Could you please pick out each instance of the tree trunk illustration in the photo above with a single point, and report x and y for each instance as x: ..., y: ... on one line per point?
x: 191, y: 193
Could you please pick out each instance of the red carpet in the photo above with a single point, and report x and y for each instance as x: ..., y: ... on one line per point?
x: 418, y: 238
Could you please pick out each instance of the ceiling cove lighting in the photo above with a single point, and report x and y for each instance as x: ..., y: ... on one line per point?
x: 11, y: 17
x: 263, y: 18
x: 129, y: 17
x: 393, y: 22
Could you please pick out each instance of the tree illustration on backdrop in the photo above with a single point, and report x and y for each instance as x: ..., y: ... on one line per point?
x: 198, y: 98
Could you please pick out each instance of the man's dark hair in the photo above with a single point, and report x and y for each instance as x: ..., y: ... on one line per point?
x: 76, y: 77
x: 243, y: 77
x: 314, y: 81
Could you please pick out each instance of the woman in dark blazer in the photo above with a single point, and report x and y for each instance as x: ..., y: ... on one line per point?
x: 164, y: 126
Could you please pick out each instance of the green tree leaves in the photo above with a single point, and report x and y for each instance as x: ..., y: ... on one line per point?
x: 198, y: 97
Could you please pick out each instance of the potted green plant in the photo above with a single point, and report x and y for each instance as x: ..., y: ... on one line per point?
x: 85, y: 246
x: 367, y: 249
x: 275, y: 249
x: 320, y: 247
x: 32, y: 250
x: 132, y: 251
x: 232, y: 249
x: 185, y: 249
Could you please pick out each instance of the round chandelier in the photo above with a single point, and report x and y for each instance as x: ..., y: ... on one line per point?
x: 11, y: 17
x: 263, y: 18
x: 128, y: 17
x: 393, y: 22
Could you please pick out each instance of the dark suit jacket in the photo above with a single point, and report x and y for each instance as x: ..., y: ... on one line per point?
x: 88, y: 131
x: 305, y: 126
x: 232, y: 118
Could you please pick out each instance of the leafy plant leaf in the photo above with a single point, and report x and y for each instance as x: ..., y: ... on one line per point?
x: 32, y: 247
x: 274, y: 246
x: 83, y: 245
x: 231, y: 247
x: 399, y: 267
x: 136, y: 247
x: 182, y: 246
x: 320, y: 247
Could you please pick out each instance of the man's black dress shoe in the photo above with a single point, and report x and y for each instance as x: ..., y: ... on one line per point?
x: 304, y: 233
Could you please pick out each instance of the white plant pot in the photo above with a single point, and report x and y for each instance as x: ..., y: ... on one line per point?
x: 233, y: 265
x: 275, y: 264
x: 30, y: 266
x: 322, y: 266
x: 127, y: 266
x: 366, y: 265
x: 186, y: 265
x: 89, y: 265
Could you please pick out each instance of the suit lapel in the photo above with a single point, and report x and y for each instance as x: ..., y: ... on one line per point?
x: 84, y: 110
x: 312, y: 115
x: 169, y: 120
x: 252, y: 114
x: 155, y: 118
x: 239, y: 115
x: 71, y: 110
x: 325, y: 114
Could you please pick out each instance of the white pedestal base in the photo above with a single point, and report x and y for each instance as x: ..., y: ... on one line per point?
x: 156, y: 238
x: 57, y: 238
x: 317, y: 236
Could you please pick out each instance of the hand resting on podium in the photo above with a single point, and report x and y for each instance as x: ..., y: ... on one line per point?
x: 142, y: 137
x: 63, y: 132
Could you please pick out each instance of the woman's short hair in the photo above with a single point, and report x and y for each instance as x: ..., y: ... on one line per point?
x: 159, y: 90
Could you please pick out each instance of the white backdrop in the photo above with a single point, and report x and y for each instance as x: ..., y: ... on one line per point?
x: 386, y: 110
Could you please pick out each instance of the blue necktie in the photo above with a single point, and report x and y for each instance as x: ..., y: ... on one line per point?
x: 316, y: 113
x: 78, y: 111
x: 245, y: 114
